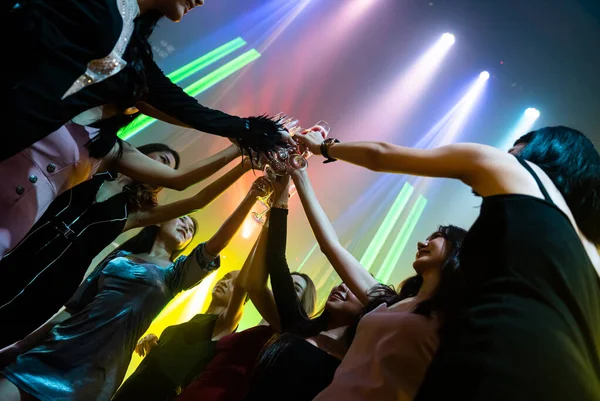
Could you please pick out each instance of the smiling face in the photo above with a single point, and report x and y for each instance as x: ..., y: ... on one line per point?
x: 176, y: 9
x: 343, y: 304
x: 177, y: 233
x: 431, y: 253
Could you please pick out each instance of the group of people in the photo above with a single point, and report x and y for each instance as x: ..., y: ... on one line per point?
x: 506, y: 310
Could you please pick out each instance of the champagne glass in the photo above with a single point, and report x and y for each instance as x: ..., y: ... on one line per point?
x: 323, y: 127
x: 260, y: 217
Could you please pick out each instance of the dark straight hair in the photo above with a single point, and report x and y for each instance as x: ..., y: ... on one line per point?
x: 448, y: 298
x: 572, y: 162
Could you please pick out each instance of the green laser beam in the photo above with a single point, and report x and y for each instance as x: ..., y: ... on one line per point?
x: 386, y: 227
x: 392, y: 257
x: 204, y: 61
x: 195, y: 89
x: 313, y: 249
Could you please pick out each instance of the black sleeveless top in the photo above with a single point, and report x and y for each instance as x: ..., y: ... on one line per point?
x: 531, y: 326
x: 45, y: 269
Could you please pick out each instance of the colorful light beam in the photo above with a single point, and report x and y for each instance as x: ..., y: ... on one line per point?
x: 522, y: 127
x: 196, y: 88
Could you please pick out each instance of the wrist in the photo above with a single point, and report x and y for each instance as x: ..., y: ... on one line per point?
x: 298, y: 174
x: 280, y: 198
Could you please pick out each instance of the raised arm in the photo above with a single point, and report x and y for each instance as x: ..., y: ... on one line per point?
x: 291, y: 314
x: 173, y: 210
x: 230, y: 227
x: 345, y: 264
x: 163, y: 95
x: 229, y: 319
x: 141, y: 168
x: 256, y: 283
x: 461, y: 161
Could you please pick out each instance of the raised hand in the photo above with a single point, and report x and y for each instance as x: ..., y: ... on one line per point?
x: 281, y: 185
x: 312, y: 139
x: 145, y: 344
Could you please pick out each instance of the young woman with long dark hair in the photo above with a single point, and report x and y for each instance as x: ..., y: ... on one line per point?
x: 398, y: 334
x: 298, y: 363
x: 95, y: 57
x: 229, y: 375
x: 183, y: 350
x: 530, y: 326
x: 86, y: 353
x: 51, y: 261
x: 40, y: 173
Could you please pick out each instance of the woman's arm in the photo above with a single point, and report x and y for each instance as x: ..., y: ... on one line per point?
x: 150, y: 111
x: 256, y: 283
x: 229, y: 319
x: 163, y: 95
x: 289, y: 309
x: 173, y: 210
x: 9, y: 353
x: 230, y: 227
x: 345, y: 264
x: 141, y: 168
x: 461, y: 161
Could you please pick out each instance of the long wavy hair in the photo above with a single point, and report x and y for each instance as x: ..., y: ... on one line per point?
x: 572, y: 162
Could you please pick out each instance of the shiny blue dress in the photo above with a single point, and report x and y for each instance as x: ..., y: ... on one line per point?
x: 86, y: 356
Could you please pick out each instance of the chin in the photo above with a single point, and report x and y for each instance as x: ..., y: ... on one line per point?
x: 176, y: 14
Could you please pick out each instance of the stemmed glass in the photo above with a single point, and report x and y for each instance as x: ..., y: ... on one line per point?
x: 285, y: 158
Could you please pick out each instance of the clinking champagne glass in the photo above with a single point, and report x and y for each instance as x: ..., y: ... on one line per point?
x: 321, y: 126
x: 264, y: 200
x: 260, y: 217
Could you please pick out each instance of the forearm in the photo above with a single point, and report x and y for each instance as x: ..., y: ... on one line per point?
x: 206, y: 196
x: 255, y: 274
x: 468, y: 162
x: 207, y: 167
x: 281, y: 280
x: 345, y: 264
x: 364, y: 154
x: 226, y: 232
x: 216, y: 188
x: 319, y: 222
x: 150, y: 111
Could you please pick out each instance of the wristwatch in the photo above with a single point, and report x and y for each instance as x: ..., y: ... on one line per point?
x: 325, y: 145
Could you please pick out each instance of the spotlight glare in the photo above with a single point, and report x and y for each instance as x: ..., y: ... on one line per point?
x: 448, y: 38
x: 484, y: 75
x: 532, y: 113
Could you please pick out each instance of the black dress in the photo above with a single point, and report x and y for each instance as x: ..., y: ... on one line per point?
x: 531, y: 328
x: 44, y: 270
x: 86, y: 356
x: 52, y: 42
x: 183, y: 351
x: 301, y: 370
